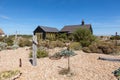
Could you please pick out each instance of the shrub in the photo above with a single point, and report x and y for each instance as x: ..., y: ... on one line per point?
x: 75, y: 46
x: 86, y: 49
x: 63, y: 36
x: 65, y: 53
x: 52, y: 44
x: 9, y: 41
x: 2, y: 39
x: 24, y: 42
x: 56, y: 56
x: 15, y: 46
x: 117, y: 73
x: 56, y: 43
x: 40, y: 53
x: 84, y: 36
x: 102, y: 47
x: 59, y: 44
x: 30, y: 54
x: 8, y: 74
x: 44, y: 43
x: 3, y: 45
x: 94, y: 48
x: 115, y: 37
x: 71, y: 37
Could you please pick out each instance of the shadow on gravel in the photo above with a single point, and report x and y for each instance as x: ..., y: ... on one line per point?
x: 31, y: 61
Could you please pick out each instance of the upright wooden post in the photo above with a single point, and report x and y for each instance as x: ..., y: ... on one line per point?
x: 68, y: 48
x: 15, y: 41
x: 34, y: 46
x: 20, y: 62
x: 116, y: 38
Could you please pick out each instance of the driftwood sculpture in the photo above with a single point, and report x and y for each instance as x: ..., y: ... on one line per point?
x: 108, y: 59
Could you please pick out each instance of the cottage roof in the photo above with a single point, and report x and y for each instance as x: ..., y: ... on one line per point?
x: 72, y: 28
x: 48, y: 29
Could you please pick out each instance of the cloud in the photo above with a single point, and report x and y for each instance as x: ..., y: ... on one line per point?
x: 4, y: 17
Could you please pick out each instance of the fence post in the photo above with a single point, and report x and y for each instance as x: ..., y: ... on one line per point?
x: 34, y: 46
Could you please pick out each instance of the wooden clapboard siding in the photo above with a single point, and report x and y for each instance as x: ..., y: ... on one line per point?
x: 46, y: 32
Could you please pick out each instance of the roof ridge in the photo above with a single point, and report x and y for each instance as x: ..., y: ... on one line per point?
x: 47, y: 27
x: 73, y: 25
x: 76, y: 25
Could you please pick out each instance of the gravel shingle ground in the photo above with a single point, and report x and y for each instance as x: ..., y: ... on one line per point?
x: 84, y: 66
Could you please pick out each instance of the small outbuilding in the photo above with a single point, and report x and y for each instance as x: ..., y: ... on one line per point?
x: 2, y: 34
x: 44, y: 32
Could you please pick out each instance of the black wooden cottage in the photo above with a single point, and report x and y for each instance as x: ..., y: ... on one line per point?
x: 44, y: 32
x: 71, y: 28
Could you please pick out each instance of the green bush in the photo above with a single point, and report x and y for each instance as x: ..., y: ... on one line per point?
x: 75, y: 46
x: 117, y: 73
x: 94, y: 48
x: 63, y: 36
x: 59, y: 44
x: 84, y: 36
x: 86, y: 49
x: 40, y: 53
x: 24, y: 42
x: 30, y: 54
x: 52, y: 44
x: 15, y: 46
x: 8, y: 74
x: 103, y: 47
x: 3, y: 45
x: 56, y: 43
x: 64, y: 53
x: 9, y: 41
x: 44, y: 43
x: 2, y: 39
x: 71, y: 37
x: 115, y: 37
x: 56, y: 56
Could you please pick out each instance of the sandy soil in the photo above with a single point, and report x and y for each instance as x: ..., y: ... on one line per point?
x: 84, y: 66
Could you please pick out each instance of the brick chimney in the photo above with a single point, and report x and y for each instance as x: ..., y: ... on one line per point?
x: 82, y: 22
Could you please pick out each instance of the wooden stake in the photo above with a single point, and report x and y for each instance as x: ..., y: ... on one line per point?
x: 20, y: 62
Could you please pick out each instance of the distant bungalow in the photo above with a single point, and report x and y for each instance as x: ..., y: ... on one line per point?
x: 44, y: 32
x: 2, y: 34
